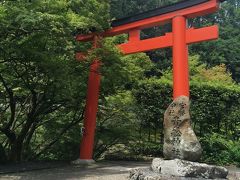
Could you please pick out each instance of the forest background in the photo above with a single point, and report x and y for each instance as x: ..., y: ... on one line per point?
x: 43, y: 87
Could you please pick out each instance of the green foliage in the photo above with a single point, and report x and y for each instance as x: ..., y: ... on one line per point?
x: 144, y: 104
x: 215, y: 102
x: 39, y: 77
x: 220, y: 150
x: 115, y: 123
x: 225, y: 50
x: 147, y: 149
x: 85, y: 16
x: 123, y: 8
x: 43, y: 88
x: 117, y: 120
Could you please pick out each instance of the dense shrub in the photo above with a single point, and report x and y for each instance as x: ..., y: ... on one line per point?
x: 147, y: 149
x: 214, y: 109
x: 220, y: 150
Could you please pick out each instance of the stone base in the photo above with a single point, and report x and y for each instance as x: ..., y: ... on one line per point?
x: 83, y: 162
x: 178, y: 170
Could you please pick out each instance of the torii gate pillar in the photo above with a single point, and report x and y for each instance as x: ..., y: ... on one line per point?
x: 87, y: 144
x: 180, y: 58
x: 90, y: 114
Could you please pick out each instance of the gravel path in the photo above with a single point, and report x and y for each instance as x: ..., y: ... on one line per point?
x: 112, y: 170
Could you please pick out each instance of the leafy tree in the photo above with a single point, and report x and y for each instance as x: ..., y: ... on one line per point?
x: 123, y: 8
x: 225, y: 50
x: 39, y: 79
x: 117, y: 121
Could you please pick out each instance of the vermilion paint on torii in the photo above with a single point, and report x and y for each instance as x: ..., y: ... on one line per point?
x: 178, y: 39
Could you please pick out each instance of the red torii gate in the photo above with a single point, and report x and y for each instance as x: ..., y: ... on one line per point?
x: 178, y: 39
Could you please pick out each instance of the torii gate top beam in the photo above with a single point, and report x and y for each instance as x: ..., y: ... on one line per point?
x: 159, y: 16
x: 158, y: 11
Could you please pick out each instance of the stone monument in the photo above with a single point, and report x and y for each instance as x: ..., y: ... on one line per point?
x: 180, y: 140
x: 181, y: 148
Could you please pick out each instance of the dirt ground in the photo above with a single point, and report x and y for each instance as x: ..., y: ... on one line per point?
x: 111, y: 170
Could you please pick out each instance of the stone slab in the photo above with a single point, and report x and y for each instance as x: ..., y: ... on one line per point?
x: 178, y: 169
x: 148, y: 174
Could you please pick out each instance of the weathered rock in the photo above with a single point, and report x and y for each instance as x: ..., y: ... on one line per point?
x: 180, y: 140
x: 178, y: 170
x: 182, y: 168
x: 148, y: 174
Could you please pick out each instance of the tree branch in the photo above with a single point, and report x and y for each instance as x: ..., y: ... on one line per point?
x: 6, y: 128
x: 69, y: 126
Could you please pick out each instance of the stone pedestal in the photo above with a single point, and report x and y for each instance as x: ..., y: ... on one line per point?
x: 180, y: 140
x: 178, y: 170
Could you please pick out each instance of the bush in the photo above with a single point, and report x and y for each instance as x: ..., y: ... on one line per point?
x: 214, y: 110
x: 220, y: 150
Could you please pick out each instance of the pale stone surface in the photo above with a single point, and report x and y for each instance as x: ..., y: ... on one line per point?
x: 148, y: 174
x: 180, y: 140
x: 182, y: 168
x: 83, y: 162
x: 178, y: 170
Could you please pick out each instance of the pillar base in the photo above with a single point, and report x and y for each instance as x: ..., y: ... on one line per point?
x: 83, y: 162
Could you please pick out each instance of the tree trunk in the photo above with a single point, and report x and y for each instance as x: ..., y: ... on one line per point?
x: 27, y: 147
x: 15, y: 154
